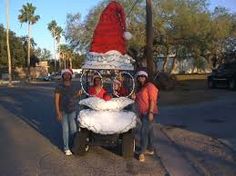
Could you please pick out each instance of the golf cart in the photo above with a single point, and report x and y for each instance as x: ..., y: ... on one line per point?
x: 106, y: 123
x: 100, y: 121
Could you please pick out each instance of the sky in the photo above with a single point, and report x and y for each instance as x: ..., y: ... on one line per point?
x: 57, y: 10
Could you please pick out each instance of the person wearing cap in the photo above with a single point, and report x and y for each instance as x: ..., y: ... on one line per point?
x: 118, y: 89
x: 65, y: 97
x: 146, y: 101
x: 97, y: 89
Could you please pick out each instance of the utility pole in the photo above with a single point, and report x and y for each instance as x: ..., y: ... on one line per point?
x: 8, y: 45
x: 149, y: 38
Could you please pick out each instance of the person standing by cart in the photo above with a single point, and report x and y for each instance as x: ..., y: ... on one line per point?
x: 146, y: 100
x: 65, y: 99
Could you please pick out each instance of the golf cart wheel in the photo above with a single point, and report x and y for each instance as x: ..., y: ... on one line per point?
x: 81, y: 141
x: 128, y: 144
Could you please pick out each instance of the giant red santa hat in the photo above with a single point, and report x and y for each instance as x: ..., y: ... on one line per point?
x: 109, y: 32
x: 108, y: 46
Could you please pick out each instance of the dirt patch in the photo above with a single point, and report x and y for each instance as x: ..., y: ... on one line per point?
x: 187, y: 92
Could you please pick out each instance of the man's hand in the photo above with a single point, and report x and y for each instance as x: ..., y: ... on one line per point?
x: 59, y: 116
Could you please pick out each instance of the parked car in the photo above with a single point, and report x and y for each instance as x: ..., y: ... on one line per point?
x: 223, y: 76
x: 55, y: 76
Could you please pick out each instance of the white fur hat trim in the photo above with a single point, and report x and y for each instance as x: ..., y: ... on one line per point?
x: 66, y: 71
x: 139, y: 73
x: 127, y: 35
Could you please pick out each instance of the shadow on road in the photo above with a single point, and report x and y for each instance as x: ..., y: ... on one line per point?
x: 35, y: 107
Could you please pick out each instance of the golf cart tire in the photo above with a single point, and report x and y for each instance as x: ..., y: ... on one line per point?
x: 80, y: 146
x: 128, y: 144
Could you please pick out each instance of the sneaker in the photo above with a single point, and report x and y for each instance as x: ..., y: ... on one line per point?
x: 149, y: 152
x: 141, y: 158
x: 68, y: 152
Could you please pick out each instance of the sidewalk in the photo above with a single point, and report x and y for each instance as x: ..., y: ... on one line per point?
x: 3, y: 82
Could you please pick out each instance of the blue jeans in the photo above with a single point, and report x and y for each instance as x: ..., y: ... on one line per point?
x: 147, y: 134
x: 68, y: 128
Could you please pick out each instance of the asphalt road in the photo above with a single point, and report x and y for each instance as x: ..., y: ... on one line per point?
x: 34, y: 105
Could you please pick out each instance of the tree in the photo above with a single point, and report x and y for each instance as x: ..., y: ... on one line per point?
x: 56, y: 32
x: 27, y: 15
x: 66, y: 54
x: 18, y: 49
x: 69, y: 57
x: 42, y: 54
x: 74, y: 30
x: 8, y: 45
x: 221, y: 30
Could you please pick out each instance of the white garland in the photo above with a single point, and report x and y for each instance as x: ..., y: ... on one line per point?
x: 109, y: 60
x: 107, y: 122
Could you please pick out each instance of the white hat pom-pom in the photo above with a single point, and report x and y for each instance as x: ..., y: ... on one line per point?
x: 127, y: 35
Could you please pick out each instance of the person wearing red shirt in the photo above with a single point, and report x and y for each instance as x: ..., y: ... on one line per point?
x: 146, y: 100
x: 97, y: 89
x: 118, y: 89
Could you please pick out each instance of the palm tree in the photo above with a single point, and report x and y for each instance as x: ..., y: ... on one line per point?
x: 56, y: 32
x: 27, y: 16
x: 58, y: 39
x: 8, y: 44
x: 66, y: 54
